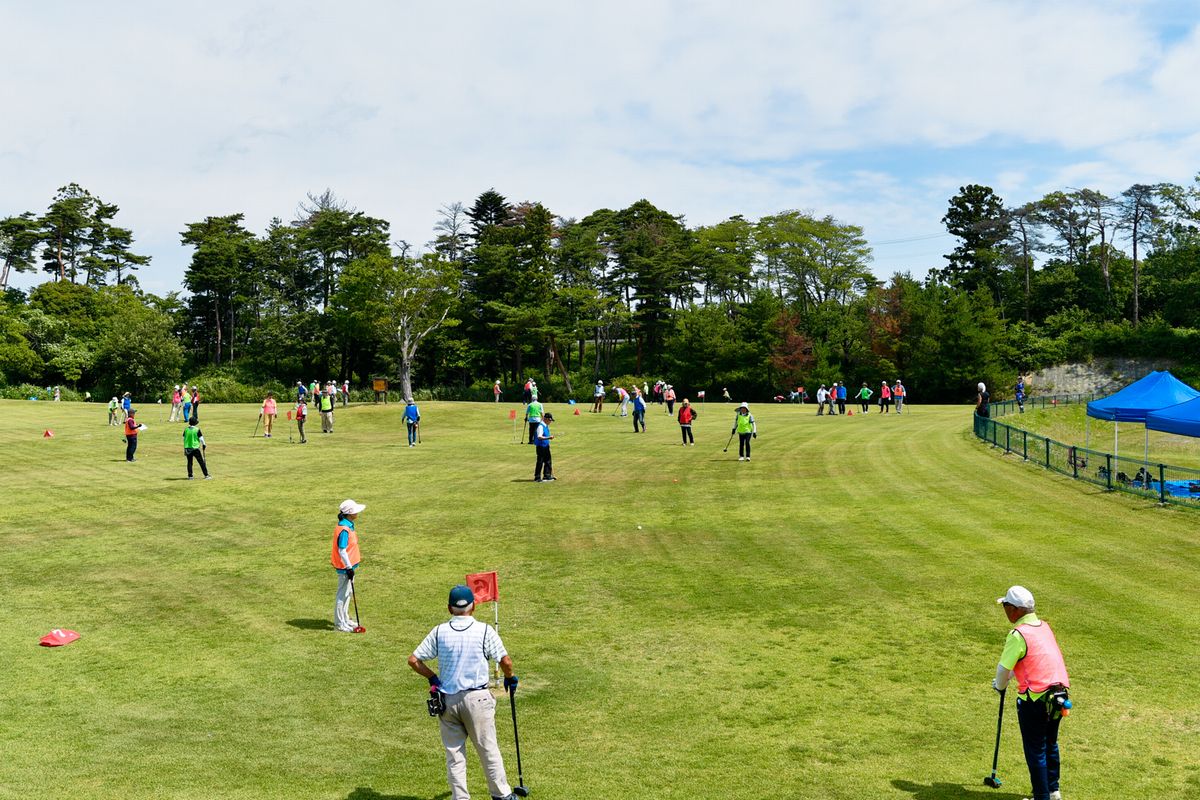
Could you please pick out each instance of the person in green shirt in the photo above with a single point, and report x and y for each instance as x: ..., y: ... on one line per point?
x: 744, y: 427
x: 325, y: 405
x: 533, y: 417
x: 112, y: 412
x: 864, y: 398
x: 1031, y: 655
x: 194, y: 446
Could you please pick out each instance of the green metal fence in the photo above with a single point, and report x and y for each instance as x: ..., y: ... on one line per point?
x: 1162, y: 482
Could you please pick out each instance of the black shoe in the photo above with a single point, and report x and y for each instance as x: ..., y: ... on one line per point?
x: 537, y: 480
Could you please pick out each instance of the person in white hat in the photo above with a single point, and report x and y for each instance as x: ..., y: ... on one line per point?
x: 176, y: 404
x: 983, y: 401
x: 345, y: 559
x: 1031, y: 654
x: 598, y: 398
x: 744, y: 427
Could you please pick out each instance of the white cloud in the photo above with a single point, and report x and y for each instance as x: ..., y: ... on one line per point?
x: 706, y: 108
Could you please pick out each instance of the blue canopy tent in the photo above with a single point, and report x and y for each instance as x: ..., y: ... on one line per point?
x: 1182, y: 419
x: 1155, y: 392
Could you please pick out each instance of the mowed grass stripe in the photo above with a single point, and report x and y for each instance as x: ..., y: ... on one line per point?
x: 815, y: 623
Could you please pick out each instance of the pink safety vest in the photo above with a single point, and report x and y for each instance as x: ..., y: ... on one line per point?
x: 1042, y: 666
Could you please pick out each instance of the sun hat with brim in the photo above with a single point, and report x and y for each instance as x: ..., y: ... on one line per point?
x: 1017, y: 596
x: 351, y: 507
x: 461, y: 597
x: 744, y: 405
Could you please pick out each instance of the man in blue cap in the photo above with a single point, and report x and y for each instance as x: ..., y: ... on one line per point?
x: 463, y: 647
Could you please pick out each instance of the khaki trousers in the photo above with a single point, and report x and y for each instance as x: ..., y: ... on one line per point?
x: 472, y: 714
x: 326, y: 422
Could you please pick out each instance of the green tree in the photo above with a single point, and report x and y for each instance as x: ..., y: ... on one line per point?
x: 19, y: 238
x: 65, y: 227
x: 223, y: 261
x: 401, y: 298
x: 976, y: 215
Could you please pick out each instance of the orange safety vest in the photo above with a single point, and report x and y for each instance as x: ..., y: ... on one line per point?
x: 131, y: 427
x: 351, y: 547
x: 1042, y: 666
x: 898, y: 391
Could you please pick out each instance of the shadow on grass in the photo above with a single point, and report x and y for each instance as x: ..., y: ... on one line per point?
x: 363, y: 793
x: 950, y: 791
x: 183, y: 478
x: 311, y: 625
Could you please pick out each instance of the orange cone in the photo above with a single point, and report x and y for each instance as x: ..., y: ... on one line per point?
x: 49, y: 434
x: 850, y: 413
x: 577, y: 412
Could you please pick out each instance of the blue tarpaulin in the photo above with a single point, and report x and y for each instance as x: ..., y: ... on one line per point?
x: 1156, y: 391
x: 1183, y: 419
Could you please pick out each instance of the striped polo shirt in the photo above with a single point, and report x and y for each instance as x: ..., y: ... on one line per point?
x: 462, y: 647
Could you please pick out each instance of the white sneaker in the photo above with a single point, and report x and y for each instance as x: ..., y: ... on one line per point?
x: 741, y: 458
x: 1055, y: 795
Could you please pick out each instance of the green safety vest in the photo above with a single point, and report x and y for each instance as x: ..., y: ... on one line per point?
x: 745, y: 423
x: 191, y: 438
x: 326, y: 403
x: 534, y: 411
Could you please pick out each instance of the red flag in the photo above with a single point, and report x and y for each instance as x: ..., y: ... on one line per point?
x: 58, y: 637
x: 512, y: 413
x: 49, y: 434
x: 485, y: 586
x: 289, y: 416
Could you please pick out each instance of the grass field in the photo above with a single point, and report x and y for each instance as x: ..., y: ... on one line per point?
x: 816, y: 623
x: 1069, y: 425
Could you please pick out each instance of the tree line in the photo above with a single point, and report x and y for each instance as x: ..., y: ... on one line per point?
x: 505, y: 290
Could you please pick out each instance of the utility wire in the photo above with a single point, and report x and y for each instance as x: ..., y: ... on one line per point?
x: 909, y: 239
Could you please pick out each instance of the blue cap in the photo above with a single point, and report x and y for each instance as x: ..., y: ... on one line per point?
x: 461, y: 597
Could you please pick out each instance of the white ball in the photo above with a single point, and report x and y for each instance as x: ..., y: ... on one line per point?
x: 639, y: 527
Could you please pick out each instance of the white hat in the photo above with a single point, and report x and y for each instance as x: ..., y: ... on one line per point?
x: 1018, y: 596
x: 177, y: 386
x: 744, y: 405
x: 350, y: 507
x: 982, y: 388
x: 600, y: 382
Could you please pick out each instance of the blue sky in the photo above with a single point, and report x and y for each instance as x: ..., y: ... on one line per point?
x: 874, y: 112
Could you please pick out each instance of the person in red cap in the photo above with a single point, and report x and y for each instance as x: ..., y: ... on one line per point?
x: 345, y: 559
x: 463, y: 646
x: 1032, y: 656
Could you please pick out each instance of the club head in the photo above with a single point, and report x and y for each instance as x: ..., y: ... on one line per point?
x: 360, y: 629
x: 520, y: 791
x: 992, y: 781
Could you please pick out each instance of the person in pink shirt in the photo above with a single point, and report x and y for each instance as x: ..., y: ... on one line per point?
x: 176, y: 405
x: 268, y: 414
x: 885, y: 399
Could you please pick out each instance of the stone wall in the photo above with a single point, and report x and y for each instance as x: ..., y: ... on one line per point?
x: 1102, y: 375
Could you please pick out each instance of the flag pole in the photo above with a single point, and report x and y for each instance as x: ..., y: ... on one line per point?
x: 496, y: 664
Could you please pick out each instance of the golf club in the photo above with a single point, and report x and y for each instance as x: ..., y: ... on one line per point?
x: 358, y: 628
x: 418, y: 427
x: 256, y: 423
x: 519, y: 790
x: 992, y: 781
x: 726, y: 450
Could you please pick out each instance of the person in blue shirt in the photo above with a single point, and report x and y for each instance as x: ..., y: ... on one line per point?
x: 543, y: 471
x: 412, y: 420
x: 841, y: 397
x: 126, y: 404
x: 300, y: 391
x: 1021, y: 392
x: 345, y: 558
x: 639, y: 410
